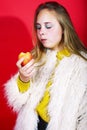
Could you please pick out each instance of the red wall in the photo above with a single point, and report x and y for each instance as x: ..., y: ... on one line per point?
x: 16, y: 19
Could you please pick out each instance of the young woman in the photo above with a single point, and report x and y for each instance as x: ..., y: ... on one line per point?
x: 50, y: 92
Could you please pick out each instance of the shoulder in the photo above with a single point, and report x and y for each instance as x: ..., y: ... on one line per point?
x: 79, y: 67
x: 75, y: 59
x: 79, y: 63
x: 75, y: 65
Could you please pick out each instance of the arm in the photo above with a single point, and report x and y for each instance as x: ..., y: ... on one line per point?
x: 82, y: 114
x: 17, y: 90
x: 15, y: 98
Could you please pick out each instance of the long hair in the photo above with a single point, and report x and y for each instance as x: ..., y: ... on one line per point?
x: 70, y: 38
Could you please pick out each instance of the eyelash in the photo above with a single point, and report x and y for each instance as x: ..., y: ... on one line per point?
x: 38, y: 27
x: 48, y: 27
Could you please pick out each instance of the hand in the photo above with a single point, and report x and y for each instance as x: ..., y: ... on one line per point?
x: 25, y: 72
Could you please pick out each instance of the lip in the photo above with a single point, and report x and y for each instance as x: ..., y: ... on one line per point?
x: 43, y: 40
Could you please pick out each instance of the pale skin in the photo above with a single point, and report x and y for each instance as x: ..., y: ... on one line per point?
x: 49, y: 32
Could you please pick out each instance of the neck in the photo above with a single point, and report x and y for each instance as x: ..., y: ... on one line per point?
x: 58, y: 48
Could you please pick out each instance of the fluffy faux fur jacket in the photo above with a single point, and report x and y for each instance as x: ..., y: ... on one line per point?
x: 68, y: 95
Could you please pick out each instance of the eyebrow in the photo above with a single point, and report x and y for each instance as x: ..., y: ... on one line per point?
x: 44, y: 22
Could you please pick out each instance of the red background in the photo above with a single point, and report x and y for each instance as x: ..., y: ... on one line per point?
x: 16, y: 17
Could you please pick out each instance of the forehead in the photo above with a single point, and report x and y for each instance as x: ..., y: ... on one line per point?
x: 46, y: 15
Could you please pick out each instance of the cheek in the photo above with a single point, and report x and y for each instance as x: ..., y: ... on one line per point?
x: 58, y: 33
x: 55, y: 32
x: 51, y: 33
x: 38, y: 34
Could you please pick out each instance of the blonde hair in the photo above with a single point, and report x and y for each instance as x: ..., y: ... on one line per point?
x: 70, y: 38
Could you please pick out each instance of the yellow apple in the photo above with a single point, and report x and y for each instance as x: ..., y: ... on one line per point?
x: 27, y: 57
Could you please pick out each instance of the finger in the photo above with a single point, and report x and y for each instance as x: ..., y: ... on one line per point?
x: 30, y: 63
x: 27, y: 66
x: 30, y: 74
x: 19, y: 62
x: 30, y: 69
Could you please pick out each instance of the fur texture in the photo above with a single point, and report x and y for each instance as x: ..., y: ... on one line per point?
x: 68, y: 102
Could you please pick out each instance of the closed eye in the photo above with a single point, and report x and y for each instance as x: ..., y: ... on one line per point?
x: 38, y: 26
x: 48, y: 25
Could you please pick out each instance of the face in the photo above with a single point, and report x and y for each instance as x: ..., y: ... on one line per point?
x: 49, y: 31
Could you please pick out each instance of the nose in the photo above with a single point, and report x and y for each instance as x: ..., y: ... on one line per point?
x: 42, y: 31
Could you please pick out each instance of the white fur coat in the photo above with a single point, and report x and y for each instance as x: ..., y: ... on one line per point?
x: 68, y: 102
